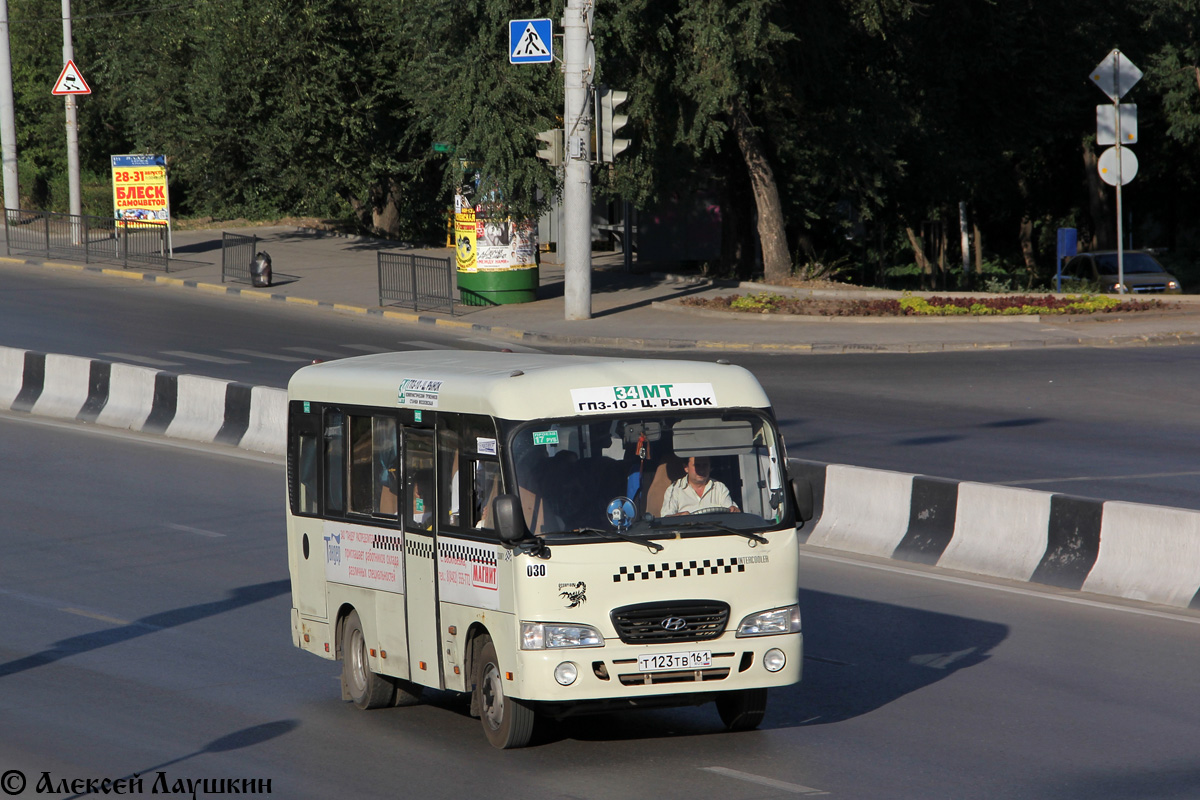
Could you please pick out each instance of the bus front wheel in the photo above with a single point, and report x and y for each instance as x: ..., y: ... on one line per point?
x: 365, y: 688
x: 742, y: 710
x: 507, y: 722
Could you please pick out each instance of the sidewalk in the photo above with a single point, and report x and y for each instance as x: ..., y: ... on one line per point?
x: 638, y: 310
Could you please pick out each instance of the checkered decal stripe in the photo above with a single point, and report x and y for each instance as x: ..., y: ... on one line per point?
x: 386, y: 542
x: 418, y: 547
x: 467, y: 552
x: 708, y: 566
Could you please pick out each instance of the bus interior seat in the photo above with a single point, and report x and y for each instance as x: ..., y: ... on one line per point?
x: 670, y: 470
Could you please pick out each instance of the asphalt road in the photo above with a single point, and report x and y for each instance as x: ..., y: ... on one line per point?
x: 145, y: 599
x: 1115, y: 423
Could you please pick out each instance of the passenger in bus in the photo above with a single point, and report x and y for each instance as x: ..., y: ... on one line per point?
x: 696, y: 490
x: 422, y: 501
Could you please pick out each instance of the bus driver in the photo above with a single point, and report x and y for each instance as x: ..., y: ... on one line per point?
x: 696, y: 491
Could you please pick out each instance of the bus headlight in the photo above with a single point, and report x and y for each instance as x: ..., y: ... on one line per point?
x: 566, y: 673
x: 546, y: 635
x: 770, y: 623
x: 774, y: 660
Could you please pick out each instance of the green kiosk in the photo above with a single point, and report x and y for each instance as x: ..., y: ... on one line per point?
x: 497, y: 259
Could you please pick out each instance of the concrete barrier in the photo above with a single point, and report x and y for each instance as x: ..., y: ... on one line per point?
x: 12, y: 369
x: 64, y: 387
x: 1148, y: 553
x: 864, y: 510
x: 145, y: 400
x: 1129, y: 550
x: 998, y: 531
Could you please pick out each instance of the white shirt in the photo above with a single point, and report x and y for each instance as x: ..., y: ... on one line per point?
x: 681, y: 497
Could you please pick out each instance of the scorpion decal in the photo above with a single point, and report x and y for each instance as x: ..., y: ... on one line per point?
x: 574, y: 593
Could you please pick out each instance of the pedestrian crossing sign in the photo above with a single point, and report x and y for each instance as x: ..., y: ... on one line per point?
x: 530, y: 41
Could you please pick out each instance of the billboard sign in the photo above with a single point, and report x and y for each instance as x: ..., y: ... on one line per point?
x: 140, y: 188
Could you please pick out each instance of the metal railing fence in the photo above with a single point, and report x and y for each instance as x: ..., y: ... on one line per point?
x: 420, y: 282
x: 86, y: 238
x: 237, y: 257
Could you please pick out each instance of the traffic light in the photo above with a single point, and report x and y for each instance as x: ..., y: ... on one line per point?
x: 608, y: 122
x: 553, y: 153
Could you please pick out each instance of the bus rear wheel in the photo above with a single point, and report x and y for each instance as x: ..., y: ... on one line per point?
x: 365, y: 688
x: 742, y: 710
x: 507, y: 722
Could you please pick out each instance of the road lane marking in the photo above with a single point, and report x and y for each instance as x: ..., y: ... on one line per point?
x: 199, y: 531
x: 261, y: 354
x: 369, y: 348
x: 202, y: 357
x: 516, y: 348
x: 315, y: 351
x: 93, y: 615
x: 794, y: 788
x: 1083, y: 478
x: 154, y: 362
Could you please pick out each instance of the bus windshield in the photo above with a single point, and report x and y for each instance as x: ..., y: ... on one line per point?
x: 708, y: 473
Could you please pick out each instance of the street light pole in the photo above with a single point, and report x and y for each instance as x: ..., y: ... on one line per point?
x: 8, y: 125
x: 72, y: 122
x: 576, y: 233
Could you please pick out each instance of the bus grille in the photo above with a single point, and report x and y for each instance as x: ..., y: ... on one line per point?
x: 663, y: 623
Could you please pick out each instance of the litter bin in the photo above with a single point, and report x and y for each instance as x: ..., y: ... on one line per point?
x: 260, y: 270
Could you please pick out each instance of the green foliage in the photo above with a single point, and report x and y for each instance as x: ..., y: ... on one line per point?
x: 762, y: 301
x: 1007, y: 306
x: 872, y: 116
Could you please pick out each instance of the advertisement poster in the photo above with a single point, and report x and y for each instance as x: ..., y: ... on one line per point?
x: 140, y: 188
x: 464, y: 239
x: 467, y: 573
x: 504, y: 244
x: 367, y: 557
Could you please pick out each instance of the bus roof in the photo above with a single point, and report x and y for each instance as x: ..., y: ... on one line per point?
x: 521, y: 386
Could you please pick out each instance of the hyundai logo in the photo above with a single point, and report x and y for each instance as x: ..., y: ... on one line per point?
x: 674, y: 623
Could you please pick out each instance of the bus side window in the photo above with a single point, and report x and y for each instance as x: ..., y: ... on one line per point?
x: 449, y: 437
x: 373, y: 465
x: 385, y: 485
x: 485, y: 486
x: 307, y: 474
x: 335, y: 463
x: 418, y: 477
x: 304, y: 473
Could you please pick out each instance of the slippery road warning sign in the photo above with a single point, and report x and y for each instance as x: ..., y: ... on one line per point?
x: 70, y: 81
x: 530, y: 41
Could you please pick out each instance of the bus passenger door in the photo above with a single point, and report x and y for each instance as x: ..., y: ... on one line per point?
x: 420, y: 558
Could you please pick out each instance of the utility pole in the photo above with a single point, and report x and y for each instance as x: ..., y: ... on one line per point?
x: 72, y: 123
x: 576, y: 233
x: 8, y: 125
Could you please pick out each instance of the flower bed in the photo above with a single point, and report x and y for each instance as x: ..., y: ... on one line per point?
x: 911, y: 306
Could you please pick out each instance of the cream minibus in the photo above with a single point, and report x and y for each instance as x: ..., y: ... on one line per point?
x: 548, y: 534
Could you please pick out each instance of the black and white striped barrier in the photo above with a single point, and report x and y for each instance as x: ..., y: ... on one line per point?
x: 1129, y: 550
x: 144, y: 400
x: 1140, y: 552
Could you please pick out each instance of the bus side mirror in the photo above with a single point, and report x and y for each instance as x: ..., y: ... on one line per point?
x: 802, y: 493
x: 508, y: 518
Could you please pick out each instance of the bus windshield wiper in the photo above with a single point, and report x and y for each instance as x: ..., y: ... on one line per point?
x: 616, y: 535
x: 659, y: 524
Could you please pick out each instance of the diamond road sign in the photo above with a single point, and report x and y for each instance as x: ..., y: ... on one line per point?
x: 1116, y: 75
x: 530, y: 41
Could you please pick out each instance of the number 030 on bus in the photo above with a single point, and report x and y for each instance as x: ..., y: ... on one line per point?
x: 550, y: 535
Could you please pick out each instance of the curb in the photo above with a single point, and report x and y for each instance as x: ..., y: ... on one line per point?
x: 1119, y: 549
x: 519, y: 335
x: 143, y: 400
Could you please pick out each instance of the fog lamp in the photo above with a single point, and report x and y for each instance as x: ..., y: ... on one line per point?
x: 566, y: 673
